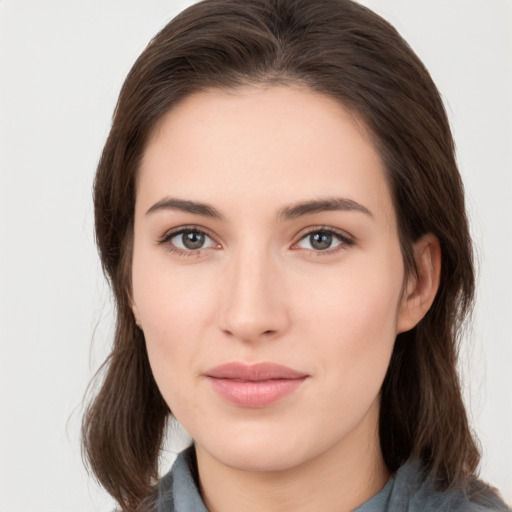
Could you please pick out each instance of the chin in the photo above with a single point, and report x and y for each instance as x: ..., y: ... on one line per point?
x: 267, y: 459
x: 264, y: 449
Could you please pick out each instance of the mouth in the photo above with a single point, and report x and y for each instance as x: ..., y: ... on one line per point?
x: 254, y: 386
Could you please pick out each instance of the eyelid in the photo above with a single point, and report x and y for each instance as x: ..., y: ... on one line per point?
x: 171, y: 233
x: 345, y: 238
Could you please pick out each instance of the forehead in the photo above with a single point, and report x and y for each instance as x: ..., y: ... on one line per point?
x: 274, y: 145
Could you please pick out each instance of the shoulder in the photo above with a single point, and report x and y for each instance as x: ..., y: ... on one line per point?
x: 414, y: 491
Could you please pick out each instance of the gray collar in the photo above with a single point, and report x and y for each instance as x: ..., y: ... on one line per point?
x: 410, y: 490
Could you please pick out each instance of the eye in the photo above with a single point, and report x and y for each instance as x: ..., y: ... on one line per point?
x: 188, y: 240
x: 323, y: 240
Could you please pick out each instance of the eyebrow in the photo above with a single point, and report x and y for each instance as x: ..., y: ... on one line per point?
x: 169, y: 203
x: 321, y: 205
x: 288, y: 213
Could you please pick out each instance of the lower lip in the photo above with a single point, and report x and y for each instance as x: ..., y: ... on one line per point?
x: 255, y: 394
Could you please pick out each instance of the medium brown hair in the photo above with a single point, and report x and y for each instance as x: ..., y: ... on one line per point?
x: 343, y: 50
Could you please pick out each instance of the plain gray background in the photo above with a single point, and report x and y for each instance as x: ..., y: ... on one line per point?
x: 62, y: 63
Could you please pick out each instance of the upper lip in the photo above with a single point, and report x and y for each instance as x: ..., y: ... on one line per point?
x: 254, y: 372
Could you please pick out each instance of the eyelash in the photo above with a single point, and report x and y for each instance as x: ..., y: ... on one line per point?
x: 165, y: 240
x: 344, y: 239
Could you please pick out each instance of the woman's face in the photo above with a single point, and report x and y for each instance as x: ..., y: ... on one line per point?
x: 265, y: 235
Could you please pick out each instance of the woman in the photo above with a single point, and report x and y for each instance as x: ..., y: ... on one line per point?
x: 280, y: 215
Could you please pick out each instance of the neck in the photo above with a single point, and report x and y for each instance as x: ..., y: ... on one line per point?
x: 339, y: 479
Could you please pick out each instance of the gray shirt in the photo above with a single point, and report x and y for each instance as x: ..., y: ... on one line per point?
x: 409, y: 490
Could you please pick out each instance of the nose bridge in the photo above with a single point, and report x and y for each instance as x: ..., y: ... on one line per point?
x: 253, y: 303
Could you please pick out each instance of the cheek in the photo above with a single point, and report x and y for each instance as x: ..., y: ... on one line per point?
x: 353, y: 318
x: 359, y: 297
x: 174, y: 307
x: 166, y: 295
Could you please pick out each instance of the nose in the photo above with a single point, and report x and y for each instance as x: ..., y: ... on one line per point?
x: 253, y: 298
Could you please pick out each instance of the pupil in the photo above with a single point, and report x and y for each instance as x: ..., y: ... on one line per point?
x: 193, y: 240
x: 320, y: 241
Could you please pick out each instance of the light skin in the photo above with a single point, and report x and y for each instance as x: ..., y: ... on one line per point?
x: 265, y: 232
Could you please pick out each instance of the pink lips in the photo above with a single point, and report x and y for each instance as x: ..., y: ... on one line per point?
x: 256, y: 385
